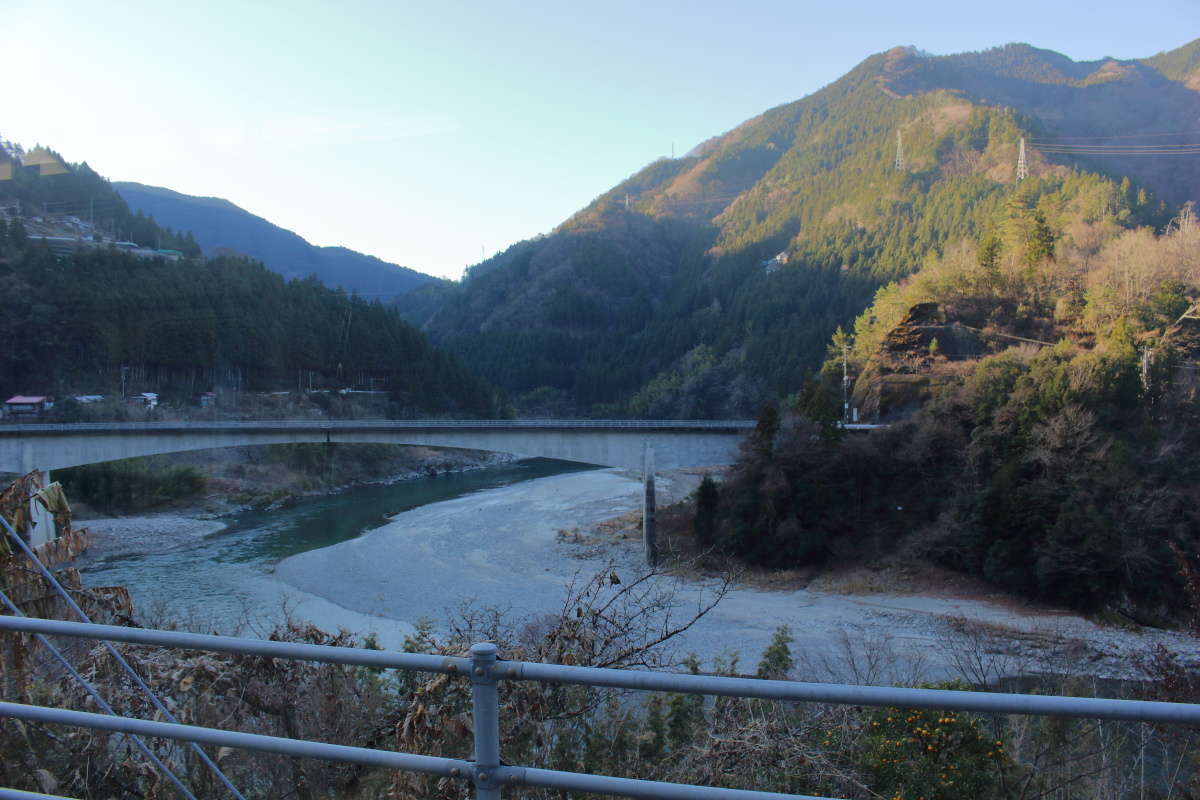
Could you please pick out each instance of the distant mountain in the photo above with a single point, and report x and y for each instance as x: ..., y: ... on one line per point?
x: 1182, y: 64
x: 222, y: 228
x: 709, y: 284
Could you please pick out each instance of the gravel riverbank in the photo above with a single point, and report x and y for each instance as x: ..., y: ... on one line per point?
x: 502, y: 549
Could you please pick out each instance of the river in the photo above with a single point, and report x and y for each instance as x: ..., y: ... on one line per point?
x: 219, y: 573
x: 492, y: 539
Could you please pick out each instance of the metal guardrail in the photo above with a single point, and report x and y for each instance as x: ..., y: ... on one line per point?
x: 33, y: 428
x: 485, y: 670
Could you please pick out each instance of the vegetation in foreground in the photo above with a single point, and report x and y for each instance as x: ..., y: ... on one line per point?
x: 626, y: 622
x: 839, y: 751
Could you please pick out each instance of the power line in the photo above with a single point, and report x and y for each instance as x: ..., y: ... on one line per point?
x: 1004, y: 335
x: 1123, y: 146
x: 1116, y: 136
x: 699, y: 202
x: 1103, y: 146
x: 1122, y: 153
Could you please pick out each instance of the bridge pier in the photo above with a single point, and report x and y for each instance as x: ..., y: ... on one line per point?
x: 45, y: 529
x: 41, y: 525
x: 28, y: 460
x: 649, y: 526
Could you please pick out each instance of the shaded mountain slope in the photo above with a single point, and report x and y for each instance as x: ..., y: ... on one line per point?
x: 1181, y: 64
x: 220, y: 226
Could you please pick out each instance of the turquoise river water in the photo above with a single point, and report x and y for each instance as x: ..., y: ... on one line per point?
x: 223, y: 578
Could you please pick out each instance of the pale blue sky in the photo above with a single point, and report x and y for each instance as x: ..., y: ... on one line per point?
x: 427, y: 133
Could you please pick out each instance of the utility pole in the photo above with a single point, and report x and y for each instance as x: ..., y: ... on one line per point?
x: 649, y: 525
x: 845, y: 384
x: 899, y: 152
x: 1022, y: 167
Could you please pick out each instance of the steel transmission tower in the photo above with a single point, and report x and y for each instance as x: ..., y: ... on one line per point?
x: 899, y: 153
x: 1022, y: 167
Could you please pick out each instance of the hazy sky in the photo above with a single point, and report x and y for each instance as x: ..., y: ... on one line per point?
x: 427, y: 133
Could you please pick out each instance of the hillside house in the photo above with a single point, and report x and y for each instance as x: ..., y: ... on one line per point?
x: 144, y: 400
x: 26, y: 406
x: 775, y: 262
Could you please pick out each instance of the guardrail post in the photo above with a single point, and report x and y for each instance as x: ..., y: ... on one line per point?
x: 485, y: 707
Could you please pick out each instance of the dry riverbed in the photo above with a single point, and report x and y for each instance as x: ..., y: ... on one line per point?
x: 515, y: 548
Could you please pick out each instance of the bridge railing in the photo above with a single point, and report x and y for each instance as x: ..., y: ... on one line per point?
x: 394, y: 424
x: 485, y: 671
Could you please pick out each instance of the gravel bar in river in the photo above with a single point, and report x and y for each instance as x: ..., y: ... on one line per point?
x: 500, y: 548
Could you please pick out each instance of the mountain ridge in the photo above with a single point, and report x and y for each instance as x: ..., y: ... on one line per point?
x: 220, y: 225
x: 763, y: 239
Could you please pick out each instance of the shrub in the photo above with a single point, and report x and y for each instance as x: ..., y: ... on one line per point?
x: 131, y: 485
x: 932, y: 754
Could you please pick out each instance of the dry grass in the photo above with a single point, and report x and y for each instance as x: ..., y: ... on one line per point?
x: 954, y: 115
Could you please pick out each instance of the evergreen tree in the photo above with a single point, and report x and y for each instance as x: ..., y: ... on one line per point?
x: 708, y: 500
x: 1041, y: 240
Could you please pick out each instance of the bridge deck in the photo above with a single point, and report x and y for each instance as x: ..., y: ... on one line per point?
x: 617, y: 443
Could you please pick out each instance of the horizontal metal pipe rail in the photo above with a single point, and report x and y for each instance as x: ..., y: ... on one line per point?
x: 502, y: 775
x: 990, y: 702
x: 484, y: 670
x: 380, y: 659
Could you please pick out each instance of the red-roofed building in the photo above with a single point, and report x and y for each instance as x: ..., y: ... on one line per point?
x: 20, y: 405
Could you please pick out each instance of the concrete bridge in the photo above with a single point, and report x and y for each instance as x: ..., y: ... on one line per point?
x: 611, y: 443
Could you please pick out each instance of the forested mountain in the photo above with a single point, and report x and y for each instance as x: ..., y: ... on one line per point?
x: 87, y: 316
x: 220, y: 226
x: 41, y: 183
x: 708, y: 284
x: 1043, y: 401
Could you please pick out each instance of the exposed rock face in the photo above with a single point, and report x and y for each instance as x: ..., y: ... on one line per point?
x: 910, y: 346
x: 898, y: 379
x: 906, y: 347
